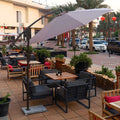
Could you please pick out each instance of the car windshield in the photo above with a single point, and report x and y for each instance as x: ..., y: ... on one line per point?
x: 97, y: 42
x: 103, y: 42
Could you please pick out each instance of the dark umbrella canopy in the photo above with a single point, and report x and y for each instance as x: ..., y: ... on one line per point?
x: 67, y: 22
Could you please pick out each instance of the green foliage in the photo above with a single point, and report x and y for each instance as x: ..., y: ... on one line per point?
x: 117, y: 68
x: 73, y: 50
x: 81, y: 58
x: 81, y: 62
x: 91, y: 52
x: 4, y: 50
x: 106, y: 71
x: 5, y: 99
x: 74, y: 60
x: 43, y: 52
x: 60, y: 56
x: 30, y: 48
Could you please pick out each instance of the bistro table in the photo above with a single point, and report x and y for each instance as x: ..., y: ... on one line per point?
x: 115, y: 105
x: 64, y: 76
x: 31, y: 62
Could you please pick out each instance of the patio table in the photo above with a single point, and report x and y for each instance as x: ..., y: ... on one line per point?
x: 115, y: 105
x: 31, y: 62
x: 64, y: 76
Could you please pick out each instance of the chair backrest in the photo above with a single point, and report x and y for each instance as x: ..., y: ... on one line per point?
x: 3, y: 62
x: 31, y: 84
x: 1, y: 55
x: 111, y: 93
x: 94, y: 116
x: 34, y: 70
x: 76, y: 90
x: 44, y: 71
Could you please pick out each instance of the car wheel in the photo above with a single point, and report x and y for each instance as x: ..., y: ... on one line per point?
x: 104, y: 50
x: 86, y: 47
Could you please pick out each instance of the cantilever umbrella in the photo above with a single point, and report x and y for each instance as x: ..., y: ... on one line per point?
x: 67, y: 22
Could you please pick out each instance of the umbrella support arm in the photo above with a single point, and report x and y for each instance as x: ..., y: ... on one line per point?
x: 28, y: 34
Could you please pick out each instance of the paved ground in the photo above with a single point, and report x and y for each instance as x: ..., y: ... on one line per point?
x: 76, y: 111
x: 14, y: 87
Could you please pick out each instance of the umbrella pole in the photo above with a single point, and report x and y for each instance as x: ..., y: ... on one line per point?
x: 28, y: 60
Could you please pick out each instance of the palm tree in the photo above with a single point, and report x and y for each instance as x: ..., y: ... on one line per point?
x: 67, y: 7
x: 118, y: 23
x: 90, y: 4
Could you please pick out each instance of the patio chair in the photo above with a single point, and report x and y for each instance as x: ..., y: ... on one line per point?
x: 14, y: 72
x: 72, y: 91
x: 95, y: 116
x: 3, y: 63
x: 47, y: 80
x: 89, y: 78
x: 106, y: 97
x: 36, y: 91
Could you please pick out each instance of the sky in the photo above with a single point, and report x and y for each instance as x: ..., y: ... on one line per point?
x: 115, y: 4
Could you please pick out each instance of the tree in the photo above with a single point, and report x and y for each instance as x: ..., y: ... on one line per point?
x: 90, y: 4
x: 67, y: 7
x: 118, y: 23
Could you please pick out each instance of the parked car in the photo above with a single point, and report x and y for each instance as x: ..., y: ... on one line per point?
x: 113, y: 46
x: 104, y: 42
x: 77, y: 41
x: 83, y: 44
x: 97, y: 46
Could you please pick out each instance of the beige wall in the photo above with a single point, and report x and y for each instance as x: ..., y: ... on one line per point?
x: 29, y: 14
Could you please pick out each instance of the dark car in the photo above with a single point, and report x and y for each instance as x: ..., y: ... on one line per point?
x: 113, y: 46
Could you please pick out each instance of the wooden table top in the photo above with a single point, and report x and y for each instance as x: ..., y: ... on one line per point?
x: 65, y: 75
x: 31, y: 62
x: 115, y: 105
x: 14, y: 56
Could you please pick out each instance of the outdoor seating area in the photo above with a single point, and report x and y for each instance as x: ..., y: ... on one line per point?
x: 57, y: 87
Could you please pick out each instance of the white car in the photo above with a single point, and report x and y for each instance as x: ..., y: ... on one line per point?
x: 97, y: 46
x: 82, y: 45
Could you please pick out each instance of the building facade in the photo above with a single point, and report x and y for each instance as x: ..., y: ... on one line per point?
x: 16, y: 15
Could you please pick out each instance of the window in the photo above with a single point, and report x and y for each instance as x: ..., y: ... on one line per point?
x: 18, y: 14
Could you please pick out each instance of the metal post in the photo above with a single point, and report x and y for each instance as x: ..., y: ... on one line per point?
x: 28, y: 60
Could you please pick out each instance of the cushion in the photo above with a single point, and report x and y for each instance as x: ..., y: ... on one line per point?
x: 110, y: 99
x: 11, y: 68
x: 47, y: 64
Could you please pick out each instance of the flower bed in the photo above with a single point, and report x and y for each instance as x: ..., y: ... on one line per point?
x: 105, y: 82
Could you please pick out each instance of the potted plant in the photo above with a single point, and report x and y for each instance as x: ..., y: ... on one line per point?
x: 117, y: 69
x: 60, y: 58
x: 105, y: 79
x: 81, y: 62
x: 4, y: 51
x: 42, y: 55
x: 4, y: 105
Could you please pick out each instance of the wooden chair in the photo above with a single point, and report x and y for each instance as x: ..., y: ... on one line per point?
x: 34, y: 70
x: 95, y: 116
x: 14, y: 72
x: 105, y: 110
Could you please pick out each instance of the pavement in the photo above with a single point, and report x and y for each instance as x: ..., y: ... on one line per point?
x: 75, y: 110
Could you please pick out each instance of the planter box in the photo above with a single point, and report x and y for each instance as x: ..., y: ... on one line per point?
x: 68, y: 68
x: 59, y: 62
x: 105, y: 82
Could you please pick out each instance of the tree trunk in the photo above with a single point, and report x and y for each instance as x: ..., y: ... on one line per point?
x: 62, y: 40
x: 73, y: 35
x: 58, y: 41
x: 90, y: 37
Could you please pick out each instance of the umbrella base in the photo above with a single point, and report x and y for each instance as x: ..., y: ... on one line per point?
x: 34, y: 109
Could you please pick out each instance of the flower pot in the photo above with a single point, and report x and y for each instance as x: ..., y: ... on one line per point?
x: 4, y: 107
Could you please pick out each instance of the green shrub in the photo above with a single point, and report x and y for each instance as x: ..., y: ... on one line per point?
x: 5, y: 99
x: 117, y: 68
x: 91, y: 52
x: 4, y: 51
x: 81, y: 62
x: 60, y: 56
x: 106, y: 71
